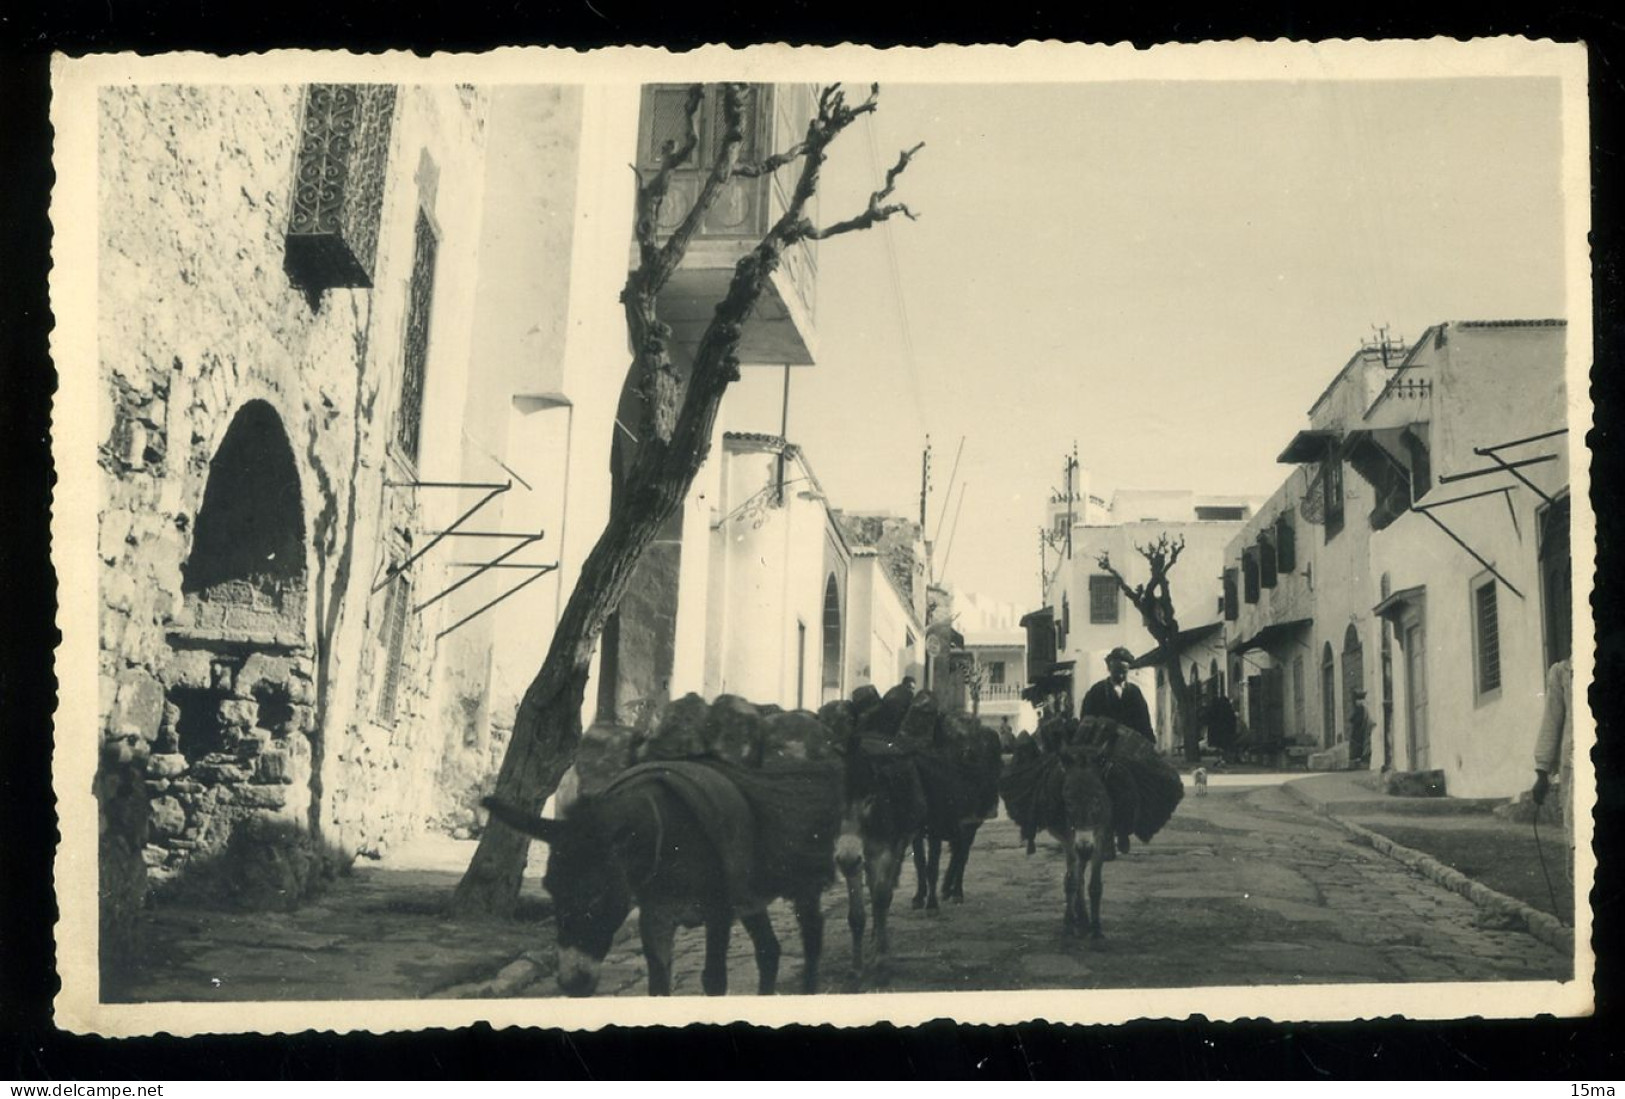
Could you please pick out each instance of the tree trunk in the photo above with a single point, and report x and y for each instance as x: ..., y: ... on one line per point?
x: 675, y: 437
x: 1179, y: 715
x: 547, y: 728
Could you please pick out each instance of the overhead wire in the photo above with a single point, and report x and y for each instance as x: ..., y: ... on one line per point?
x: 894, y: 272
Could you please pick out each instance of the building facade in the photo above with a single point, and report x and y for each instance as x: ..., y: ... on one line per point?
x: 1415, y: 567
x: 1473, y: 581
x: 363, y: 362
x: 1090, y: 614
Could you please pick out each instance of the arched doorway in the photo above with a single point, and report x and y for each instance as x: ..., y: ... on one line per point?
x: 832, y: 640
x: 1353, y: 671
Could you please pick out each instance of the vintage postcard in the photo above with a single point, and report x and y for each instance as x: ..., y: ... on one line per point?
x: 1058, y: 532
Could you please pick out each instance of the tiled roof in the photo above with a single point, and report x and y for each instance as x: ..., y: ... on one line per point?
x: 1553, y: 322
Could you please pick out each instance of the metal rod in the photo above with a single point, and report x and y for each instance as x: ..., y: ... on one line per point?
x: 509, y: 471
x: 1521, y: 442
x: 503, y: 565
x: 952, y: 473
x: 503, y: 556
x: 489, y: 533
x: 1502, y: 462
x: 1474, y: 553
x: 1459, y: 499
x: 503, y: 486
x: 476, y: 613
x: 396, y: 570
x: 1451, y: 478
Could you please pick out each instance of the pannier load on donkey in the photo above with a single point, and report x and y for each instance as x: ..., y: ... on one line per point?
x: 724, y: 809
x: 1092, y: 784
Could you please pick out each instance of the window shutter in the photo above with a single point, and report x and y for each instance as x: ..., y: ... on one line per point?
x: 1487, y: 621
x: 1266, y: 560
x: 1286, y: 545
x: 1103, y: 600
x: 1249, y: 574
x: 1331, y: 486
x: 1231, y: 610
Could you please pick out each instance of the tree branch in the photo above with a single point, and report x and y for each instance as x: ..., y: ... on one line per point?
x: 771, y: 164
x: 722, y: 168
x: 875, y: 212
x: 1134, y: 594
x: 652, y: 192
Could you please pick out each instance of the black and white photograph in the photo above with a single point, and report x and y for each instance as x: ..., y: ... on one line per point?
x: 823, y: 535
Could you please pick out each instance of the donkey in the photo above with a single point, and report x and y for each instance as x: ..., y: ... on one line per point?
x: 1065, y: 793
x: 885, y: 811
x: 681, y: 842
x: 1086, y: 831
x: 961, y: 781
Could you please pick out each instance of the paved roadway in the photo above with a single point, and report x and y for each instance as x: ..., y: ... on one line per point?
x: 1243, y: 887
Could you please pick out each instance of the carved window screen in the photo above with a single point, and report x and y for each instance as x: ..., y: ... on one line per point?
x: 338, y: 184
x: 415, y: 351
x: 397, y: 604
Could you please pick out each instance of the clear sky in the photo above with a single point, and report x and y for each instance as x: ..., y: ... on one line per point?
x: 1167, y: 273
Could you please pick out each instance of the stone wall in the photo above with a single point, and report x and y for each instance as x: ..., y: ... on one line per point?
x: 234, y: 689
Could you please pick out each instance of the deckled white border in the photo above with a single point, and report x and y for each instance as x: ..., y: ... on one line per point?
x: 74, y: 351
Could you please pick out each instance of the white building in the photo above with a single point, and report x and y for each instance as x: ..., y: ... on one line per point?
x: 1092, y: 616
x: 1473, y: 579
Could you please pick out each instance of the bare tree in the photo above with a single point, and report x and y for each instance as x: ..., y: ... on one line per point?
x: 679, y: 417
x: 975, y: 674
x: 1156, y: 606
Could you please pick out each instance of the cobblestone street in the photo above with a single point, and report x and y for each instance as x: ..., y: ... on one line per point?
x: 1243, y: 887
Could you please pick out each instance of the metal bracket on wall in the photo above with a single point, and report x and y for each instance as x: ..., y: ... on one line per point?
x: 480, y: 569
x: 492, y: 492
x: 541, y: 571
x: 1491, y: 452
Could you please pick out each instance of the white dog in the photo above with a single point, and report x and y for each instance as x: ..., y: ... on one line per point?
x: 1200, y: 778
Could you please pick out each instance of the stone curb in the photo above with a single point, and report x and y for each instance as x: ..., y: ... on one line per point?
x: 1541, y: 925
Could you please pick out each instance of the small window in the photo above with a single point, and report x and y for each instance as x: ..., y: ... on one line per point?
x: 995, y: 673
x: 1231, y: 608
x: 397, y: 608
x: 1266, y: 560
x: 1331, y: 488
x: 1207, y: 513
x: 1249, y: 574
x: 1286, y: 545
x: 1486, y: 640
x: 1102, y: 600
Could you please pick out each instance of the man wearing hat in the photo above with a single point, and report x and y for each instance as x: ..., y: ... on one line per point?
x: 1359, y: 732
x: 1115, y: 697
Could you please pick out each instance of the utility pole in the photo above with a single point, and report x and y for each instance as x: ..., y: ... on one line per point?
x: 925, y: 481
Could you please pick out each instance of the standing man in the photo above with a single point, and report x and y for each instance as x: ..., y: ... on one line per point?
x: 1554, y: 748
x: 1359, y: 732
x: 1115, y: 697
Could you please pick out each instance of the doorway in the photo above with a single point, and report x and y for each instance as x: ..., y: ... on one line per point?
x: 1416, y: 694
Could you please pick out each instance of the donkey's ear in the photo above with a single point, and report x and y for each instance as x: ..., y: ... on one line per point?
x: 520, y: 820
